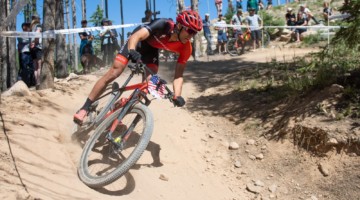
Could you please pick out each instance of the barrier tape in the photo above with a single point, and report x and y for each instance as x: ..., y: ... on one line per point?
x: 288, y: 27
x: 52, y: 33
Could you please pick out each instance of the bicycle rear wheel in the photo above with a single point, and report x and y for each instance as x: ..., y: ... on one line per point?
x: 101, y: 163
x: 231, y: 48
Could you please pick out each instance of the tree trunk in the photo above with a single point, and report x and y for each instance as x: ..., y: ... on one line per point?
x: 33, y: 8
x: 147, y: 4
x: 12, y: 68
x: 70, y: 45
x: 60, y: 64
x: 4, y: 57
x: 197, y: 39
x: 122, y: 22
x: 181, y: 6
x: 47, y: 71
x: 73, y: 8
x: 83, y: 11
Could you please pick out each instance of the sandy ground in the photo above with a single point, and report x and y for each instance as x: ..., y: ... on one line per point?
x: 198, y: 165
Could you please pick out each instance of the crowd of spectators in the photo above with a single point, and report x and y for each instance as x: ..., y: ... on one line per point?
x: 30, y: 53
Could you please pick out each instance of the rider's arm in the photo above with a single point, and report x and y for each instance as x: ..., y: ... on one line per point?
x: 178, y: 78
x: 138, y: 36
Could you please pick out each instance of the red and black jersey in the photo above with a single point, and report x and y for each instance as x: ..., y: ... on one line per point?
x: 160, y: 31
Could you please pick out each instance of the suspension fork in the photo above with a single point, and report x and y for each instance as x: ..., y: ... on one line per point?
x: 135, y: 97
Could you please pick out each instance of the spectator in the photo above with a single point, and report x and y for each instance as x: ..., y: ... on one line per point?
x: 261, y: 5
x: 301, y: 21
x: 309, y: 15
x: 222, y: 31
x: 147, y: 18
x: 237, y: 20
x: 218, y: 5
x: 86, y: 38
x: 269, y: 5
x: 87, y: 57
x: 239, y: 4
x: 290, y: 17
x: 36, y: 49
x: 115, y: 42
x: 253, y: 22
x: 327, y: 11
x: 253, y: 4
x: 106, y: 36
x: 26, y: 70
x: 207, y: 33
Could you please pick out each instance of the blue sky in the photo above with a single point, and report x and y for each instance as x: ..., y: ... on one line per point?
x: 134, y: 9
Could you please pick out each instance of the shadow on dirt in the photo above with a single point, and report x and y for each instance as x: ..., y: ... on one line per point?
x: 240, y: 90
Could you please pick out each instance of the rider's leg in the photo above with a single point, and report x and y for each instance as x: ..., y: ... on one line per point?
x: 117, y: 68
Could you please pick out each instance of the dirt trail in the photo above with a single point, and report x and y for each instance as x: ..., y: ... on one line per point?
x: 39, y: 128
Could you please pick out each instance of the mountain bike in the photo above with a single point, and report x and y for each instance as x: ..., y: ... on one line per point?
x: 245, y: 43
x: 124, y: 131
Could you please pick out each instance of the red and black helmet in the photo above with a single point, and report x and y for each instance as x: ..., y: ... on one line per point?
x: 190, y: 19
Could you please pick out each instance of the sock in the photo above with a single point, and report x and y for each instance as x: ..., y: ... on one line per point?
x: 87, y: 104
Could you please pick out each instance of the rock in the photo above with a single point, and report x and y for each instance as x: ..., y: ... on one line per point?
x: 259, y: 183
x: 163, y: 177
x: 72, y: 76
x: 332, y: 141
x: 252, y: 157
x: 285, y: 38
x: 263, y: 147
x: 18, y: 89
x: 260, y: 156
x: 352, y: 154
x: 253, y: 188
x: 335, y: 88
x: 272, y: 188
x: 237, y: 164
x: 323, y: 169
x: 233, y: 146
x: 312, y: 198
x: 250, y: 142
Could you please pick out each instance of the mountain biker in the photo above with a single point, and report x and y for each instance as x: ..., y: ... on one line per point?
x: 143, y: 46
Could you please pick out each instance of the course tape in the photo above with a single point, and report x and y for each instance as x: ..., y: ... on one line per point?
x: 53, y: 33
x: 288, y: 27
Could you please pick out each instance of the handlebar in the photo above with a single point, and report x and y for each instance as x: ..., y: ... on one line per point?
x: 139, y: 67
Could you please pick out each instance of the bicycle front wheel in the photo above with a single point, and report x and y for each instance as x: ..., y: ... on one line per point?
x: 101, y: 162
x: 231, y: 47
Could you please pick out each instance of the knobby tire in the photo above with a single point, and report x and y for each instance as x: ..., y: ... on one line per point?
x: 93, y: 145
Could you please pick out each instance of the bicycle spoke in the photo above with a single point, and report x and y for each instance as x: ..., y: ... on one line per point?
x: 105, y: 156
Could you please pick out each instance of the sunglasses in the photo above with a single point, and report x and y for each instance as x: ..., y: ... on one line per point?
x: 190, y: 31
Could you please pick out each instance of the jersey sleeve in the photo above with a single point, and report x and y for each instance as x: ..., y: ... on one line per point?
x: 185, y: 53
x: 159, y: 26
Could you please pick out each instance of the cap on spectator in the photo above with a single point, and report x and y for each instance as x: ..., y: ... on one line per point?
x: 104, y: 20
x: 35, y: 16
x: 83, y: 21
x: 239, y: 11
x: 302, y: 5
x: 289, y: 9
x: 207, y: 14
x: 251, y: 9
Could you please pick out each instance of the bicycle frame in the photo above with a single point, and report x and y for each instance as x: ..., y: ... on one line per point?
x: 139, y: 93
